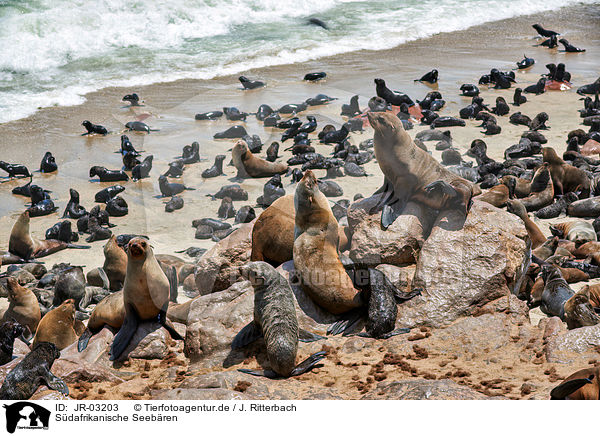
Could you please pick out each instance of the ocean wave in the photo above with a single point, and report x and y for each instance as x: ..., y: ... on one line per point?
x: 53, y: 52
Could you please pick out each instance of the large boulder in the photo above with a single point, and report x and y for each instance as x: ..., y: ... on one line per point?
x: 217, y: 269
x: 574, y: 345
x: 463, y: 265
x: 399, y: 244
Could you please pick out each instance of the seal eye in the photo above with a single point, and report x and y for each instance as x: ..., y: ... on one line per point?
x: 144, y: 244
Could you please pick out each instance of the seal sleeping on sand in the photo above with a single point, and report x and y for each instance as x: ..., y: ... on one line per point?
x: 413, y: 175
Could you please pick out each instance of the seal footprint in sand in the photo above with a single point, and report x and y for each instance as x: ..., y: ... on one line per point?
x: 275, y: 319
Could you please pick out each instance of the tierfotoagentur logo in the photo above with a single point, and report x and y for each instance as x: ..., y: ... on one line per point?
x: 26, y: 416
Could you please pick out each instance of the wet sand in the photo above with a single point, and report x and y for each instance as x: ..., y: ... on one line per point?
x: 461, y: 57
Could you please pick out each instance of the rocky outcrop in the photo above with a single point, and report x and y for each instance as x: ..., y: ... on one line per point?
x: 465, y: 265
x: 577, y: 344
x: 217, y: 269
x: 398, y: 245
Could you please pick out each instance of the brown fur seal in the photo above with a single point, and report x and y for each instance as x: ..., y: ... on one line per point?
x: 579, y: 312
x: 594, y: 291
x: 577, y: 231
x: 277, y: 247
x: 23, y: 306
x: 534, y: 232
x: 542, y: 190
x: 115, y: 263
x: 57, y: 326
x: 581, y: 385
x: 31, y: 373
x: 315, y: 253
x: 565, y: 177
x: 496, y: 195
x: 250, y: 165
x: 146, y: 294
x: 556, y: 292
x: 411, y: 174
x: 110, y: 311
x: 518, y: 187
x: 275, y: 319
x: 547, y: 249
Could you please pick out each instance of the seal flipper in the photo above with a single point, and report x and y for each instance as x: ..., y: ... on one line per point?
x: 126, y: 332
x: 308, y: 364
x: 306, y: 336
x: 567, y: 388
x: 390, y: 212
x: 266, y: 373
x: 104, y: 278
x: 345, y: 325
x: 84, y: 339
x: 250, y: 333
x: 79, y: 247
x: 173, y: 284
x: 55, y: 383
x: 401, y: 296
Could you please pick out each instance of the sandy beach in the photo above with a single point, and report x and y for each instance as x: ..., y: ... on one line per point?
x: 461, y: 57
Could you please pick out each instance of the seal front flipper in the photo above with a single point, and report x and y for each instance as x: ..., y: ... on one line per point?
x: 567, y: 388
x: 306, y: 336
x: 390, y: 212
x: 266, y: 373
x: 308, y: 364
x: 401, y: 296
x: 125, y: 334
x: 347, y: 323
x: 79, y: 247
x: 55, y: 383
x: 104, y: 278
x: 250, y: 333
x: 84, y: 339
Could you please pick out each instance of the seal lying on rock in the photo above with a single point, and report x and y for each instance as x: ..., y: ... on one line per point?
x: 412, y: 174
x: 275, y: 319
x: 31, y: 373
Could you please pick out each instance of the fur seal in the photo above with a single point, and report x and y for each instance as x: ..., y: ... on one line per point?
x: 275, y: 320
x: 94, y: 129
x: 175, y: 203
x: 226, y: 209
x: 315, y: 252
x: 556, y: 291
x: 497, y: 196
x: 96, y: 231
x: 430, y: 77
x: 581, y: 385
x: 31, y: 373
x: 469, y: 90
x: 15, y: 170
x: 565, y: 177
x: 579, y: 312
x: 9, y: 331
x: 570, y: 48
x: 56, y: 326
x: 216, y: 169
x: 212, y: 115
x: 250, y: 84
x: 411, y: 174
x: 250, y: 165
x: 110, y: 311
x: 314, y: 77
x: 542, y: 190
x: 62, y: 231
x: 109, y: 193
x: 23, y: 306
x: 275, y: 247
x: 108, y: 175
x: 115, y: 263
x: 391, y: 97
x: 558, y: 207
x: 231, y: 133
x: 74, y: 210
x: 133, y: 99
x: 168, y: 189
x: 235, y: 192
x: 518, y: 98
x: 577, y: 231
x: 138, y: 126
x: 142, y: 170
x: 48, y: 164
x: 22, y: 244
x: 117, y: 206
x: 146, y: 294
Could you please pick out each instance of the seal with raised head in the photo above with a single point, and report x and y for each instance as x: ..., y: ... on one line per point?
x: 57, y: 326
x: 275, y: 320
x: 74, y: 209
x: 316, y: 260
x: 556, y: 292
x: 146, y: 294
x: 249, y: 165
x: 216, y: 169
x: 23, y: 306
x: 542, y: 190
x: 22, y: 244
x: 411, y: 174
x: 9, y: 331
x: 31, y: 373
x: 565, y: 177
x: 579, y: 312
x: 534, y: 232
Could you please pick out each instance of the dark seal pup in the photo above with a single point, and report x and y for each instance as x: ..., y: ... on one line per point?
x: 48, y: 164
x: 74, y: 210
x: 31, y: 373
x: 106, y: 175
x: 93, y: 129
x: 275, y: 319
x: 9, y: 331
